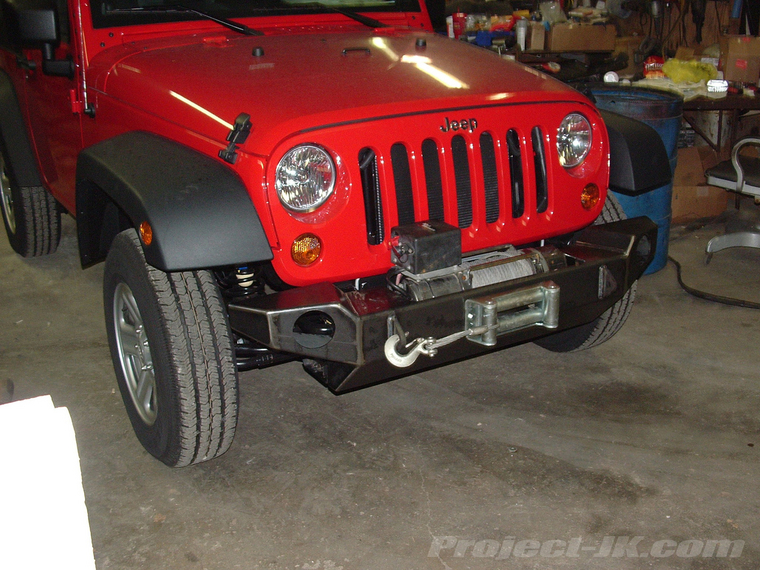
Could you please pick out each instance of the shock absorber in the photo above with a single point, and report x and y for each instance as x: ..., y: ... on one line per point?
x: 239, y: 282
x: 245, y: 277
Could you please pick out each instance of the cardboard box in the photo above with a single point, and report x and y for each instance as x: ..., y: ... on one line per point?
x: 693, y: 199
x: 536, y: 36
x: 740, y: 58
x: 691, y: 165
x: 581, y: 37
x: 695, y: 54
x: 697, y: 202
x: 685, y: 53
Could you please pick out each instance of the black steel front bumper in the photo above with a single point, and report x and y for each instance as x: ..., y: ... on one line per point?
x: 602, y: 264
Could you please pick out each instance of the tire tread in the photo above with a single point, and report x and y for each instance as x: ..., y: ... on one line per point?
x: 199, y: 348
x: 611, y: 321
x: 38, y: 222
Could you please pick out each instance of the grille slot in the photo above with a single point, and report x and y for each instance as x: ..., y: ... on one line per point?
x: 402, y: 178
x: 490, y: 177
x: 516, y: 174
x: 432, y: 166
x: 462, y: 178
x: 373, y: 201
x: 539, y: 163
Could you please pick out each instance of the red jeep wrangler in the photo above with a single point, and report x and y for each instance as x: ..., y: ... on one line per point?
x: 270, y: 180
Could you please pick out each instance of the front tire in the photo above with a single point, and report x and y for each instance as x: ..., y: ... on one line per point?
x: 172, y: 351
x: 611, y: 321
x: 30, y: 215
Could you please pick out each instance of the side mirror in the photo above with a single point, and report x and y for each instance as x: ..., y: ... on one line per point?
x: 37, y: 28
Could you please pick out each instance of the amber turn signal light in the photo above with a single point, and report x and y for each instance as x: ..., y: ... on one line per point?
x: 590, y: 196
x: 146, y: 233
x: 306, y: 249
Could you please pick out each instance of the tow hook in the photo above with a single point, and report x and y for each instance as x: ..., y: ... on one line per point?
x: 485, y: 318
x: 414, y: 349
x: 428, y: 346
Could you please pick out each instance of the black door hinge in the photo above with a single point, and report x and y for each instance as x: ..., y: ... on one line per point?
x: 236, y: 136
x: 25, y: 63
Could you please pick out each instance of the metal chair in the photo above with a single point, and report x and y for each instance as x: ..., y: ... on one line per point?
x: 741, y: 174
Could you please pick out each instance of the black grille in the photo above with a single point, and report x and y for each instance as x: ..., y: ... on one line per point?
x: 432, y: 165
x: 490, y: 177
x: 373, y: 200
x: 539, y: 163
x: 402, y: 178
x: 503, y: 180
x: 516, y: 173
x: 462, y: 177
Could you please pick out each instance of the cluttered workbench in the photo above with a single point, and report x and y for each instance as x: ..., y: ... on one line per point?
x: 733, y: 105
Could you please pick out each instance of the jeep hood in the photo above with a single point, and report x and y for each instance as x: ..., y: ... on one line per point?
x: 292, y: 83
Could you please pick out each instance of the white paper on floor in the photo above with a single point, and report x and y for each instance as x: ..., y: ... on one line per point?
x: 43, y: 518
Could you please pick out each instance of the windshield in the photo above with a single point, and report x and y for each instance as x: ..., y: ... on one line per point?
x: 112, y: 13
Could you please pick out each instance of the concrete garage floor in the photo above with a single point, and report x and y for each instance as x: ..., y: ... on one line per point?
x: 633, y: 455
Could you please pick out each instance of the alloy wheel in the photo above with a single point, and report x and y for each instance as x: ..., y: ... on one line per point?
x: 6, y: 196
x: 134, y: 354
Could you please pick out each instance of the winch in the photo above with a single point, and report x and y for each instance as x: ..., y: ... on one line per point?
x: 420, y: 253
x: 422, y: 248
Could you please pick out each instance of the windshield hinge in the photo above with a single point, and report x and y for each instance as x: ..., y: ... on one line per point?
x: 236, y: 136
x: 77, y: 106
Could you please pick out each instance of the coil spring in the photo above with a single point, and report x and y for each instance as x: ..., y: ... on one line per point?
x: 240, y: 282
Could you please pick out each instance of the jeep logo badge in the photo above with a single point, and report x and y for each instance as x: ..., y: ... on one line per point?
x: 460, y: 125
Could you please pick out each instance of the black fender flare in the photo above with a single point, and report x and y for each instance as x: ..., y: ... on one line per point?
x: 638, y: 159
x: 15, y: 136
x: 199, y: 209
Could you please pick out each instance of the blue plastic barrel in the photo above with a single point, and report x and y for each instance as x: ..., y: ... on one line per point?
x: 661, y: 111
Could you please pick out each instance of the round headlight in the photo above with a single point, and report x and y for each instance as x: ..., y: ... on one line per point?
x: 305, y: 178
x: 573, y: 140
